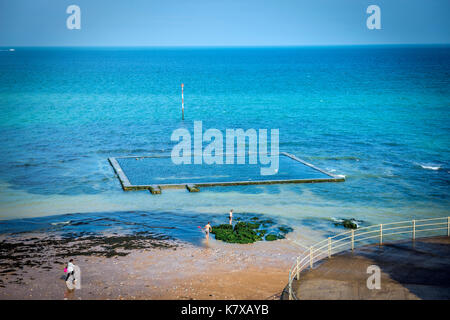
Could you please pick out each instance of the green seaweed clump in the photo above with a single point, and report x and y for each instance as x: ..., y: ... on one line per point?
x: 267, y: 222
x: 243, y: 232
x: 262, y: 232
x: 285, y: 229
x: 273, y: 237
x: 252, y: 230
x: 222, y: 231
x: 347, y: 223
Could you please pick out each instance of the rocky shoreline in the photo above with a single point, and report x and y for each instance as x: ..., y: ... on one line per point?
x: 142, y: 266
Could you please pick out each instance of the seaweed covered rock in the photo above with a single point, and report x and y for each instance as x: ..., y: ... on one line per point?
x: 285, y: 229
x: 243, y: 232
x: 246, y: 232
x: 249, y: 231
x: 222, y: 231
x: 267, y: 222
x: 252, y: 225
x: 347, y: 223
x: 273, y: 237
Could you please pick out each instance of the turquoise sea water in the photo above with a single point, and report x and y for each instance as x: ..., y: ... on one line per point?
x: 378, y: 115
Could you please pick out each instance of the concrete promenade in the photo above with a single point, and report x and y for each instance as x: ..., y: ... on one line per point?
x: 417, y: 269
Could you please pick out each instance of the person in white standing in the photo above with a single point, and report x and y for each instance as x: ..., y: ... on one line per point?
x: 70, y: 270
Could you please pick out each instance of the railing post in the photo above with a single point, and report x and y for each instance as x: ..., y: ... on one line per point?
x: 353, y: 239
x: 310, y: 257
x: 414, y: 229
x: 298, y: 271
x: 381, y: 234
x: 448, y: 226
x: 329, y: 247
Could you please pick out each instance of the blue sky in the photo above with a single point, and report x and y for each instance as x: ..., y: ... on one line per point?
x: 222, y: 23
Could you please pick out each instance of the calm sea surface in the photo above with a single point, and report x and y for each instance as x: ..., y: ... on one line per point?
x: 378, y: 115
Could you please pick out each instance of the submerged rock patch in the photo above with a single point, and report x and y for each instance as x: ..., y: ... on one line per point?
x: 347, y: 223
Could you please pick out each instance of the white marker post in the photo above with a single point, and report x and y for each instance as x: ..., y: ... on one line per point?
x: 182, y: 102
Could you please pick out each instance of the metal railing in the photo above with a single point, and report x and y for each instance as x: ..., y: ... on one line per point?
x: 363, y: 236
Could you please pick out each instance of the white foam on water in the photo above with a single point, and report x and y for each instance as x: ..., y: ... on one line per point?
x: 430, y: 167
x: 61, y: 223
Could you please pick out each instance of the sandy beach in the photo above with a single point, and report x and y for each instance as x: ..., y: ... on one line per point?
x: 32, y: 268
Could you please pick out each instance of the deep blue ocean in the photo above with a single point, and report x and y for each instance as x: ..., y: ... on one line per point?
x: 377, y: 114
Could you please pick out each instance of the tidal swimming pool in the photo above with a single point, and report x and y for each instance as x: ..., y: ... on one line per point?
x: 142, y: 172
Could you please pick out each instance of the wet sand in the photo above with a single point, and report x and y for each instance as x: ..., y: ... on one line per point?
x: 154, y: 269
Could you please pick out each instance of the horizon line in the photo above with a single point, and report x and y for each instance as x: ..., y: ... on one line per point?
x: 227, y: 46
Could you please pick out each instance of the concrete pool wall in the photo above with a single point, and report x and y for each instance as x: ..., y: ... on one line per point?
x: 312, y: 173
